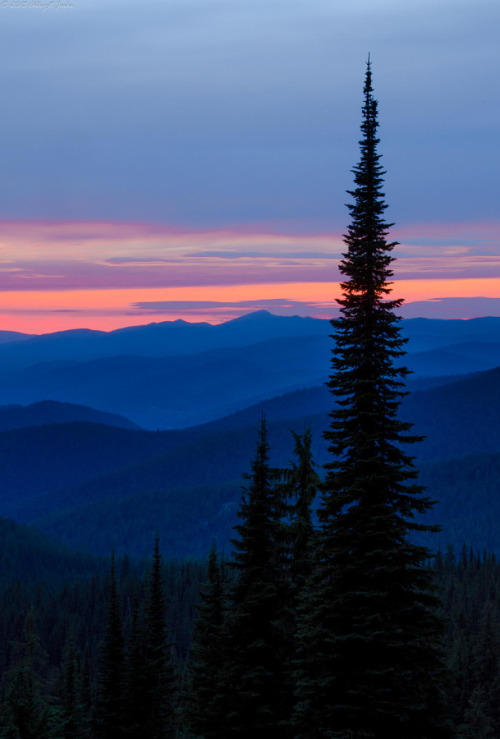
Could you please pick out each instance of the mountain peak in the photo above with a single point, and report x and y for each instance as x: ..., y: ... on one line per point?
x: 257, y: 315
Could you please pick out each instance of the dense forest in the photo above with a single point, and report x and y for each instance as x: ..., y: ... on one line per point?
x: 58, y: 611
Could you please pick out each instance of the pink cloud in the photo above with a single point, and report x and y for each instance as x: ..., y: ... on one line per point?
x: 61, y: 256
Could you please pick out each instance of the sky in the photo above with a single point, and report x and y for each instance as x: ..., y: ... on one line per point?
x: 190, y: 158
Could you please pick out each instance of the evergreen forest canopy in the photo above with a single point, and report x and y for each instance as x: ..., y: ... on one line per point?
x: 329, y: 618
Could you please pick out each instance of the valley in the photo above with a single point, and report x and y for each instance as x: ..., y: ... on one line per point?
x: 97, y: 481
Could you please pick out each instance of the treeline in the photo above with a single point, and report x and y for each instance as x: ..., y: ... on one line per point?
x: 111, y: 656
x: 71, y: 640
x: 470, y: 587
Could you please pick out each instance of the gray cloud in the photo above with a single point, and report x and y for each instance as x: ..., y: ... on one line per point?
x: 435, y: 308
x: 264, y: 254
x: 280, y: 306
x: 142, y: 260
x: 452, y: 308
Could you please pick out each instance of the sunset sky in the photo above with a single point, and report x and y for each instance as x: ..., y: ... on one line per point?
x: 189, y: 158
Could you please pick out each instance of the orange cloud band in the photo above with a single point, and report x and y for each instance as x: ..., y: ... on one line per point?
x: 56, y: 275
x: 43, y: 311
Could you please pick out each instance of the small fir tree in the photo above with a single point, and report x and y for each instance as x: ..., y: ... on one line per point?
x: 296, y: 547
x: 74, y: 718
x: 301, y: 487
x: 206, y: 684
x: 160, y: 683
x: 136, y: 698
x: 109, y: 720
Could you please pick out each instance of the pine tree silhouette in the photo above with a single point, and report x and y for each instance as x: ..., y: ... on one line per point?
x: 370, y: 658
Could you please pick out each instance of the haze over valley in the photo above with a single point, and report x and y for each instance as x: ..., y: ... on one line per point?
x: 99, y: 431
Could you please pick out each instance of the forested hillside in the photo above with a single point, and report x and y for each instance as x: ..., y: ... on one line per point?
x: 48, y: 411
x: 57, y: 603
x: 85, y: 483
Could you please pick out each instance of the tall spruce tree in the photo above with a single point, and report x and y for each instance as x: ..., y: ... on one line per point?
x: 370, y: 660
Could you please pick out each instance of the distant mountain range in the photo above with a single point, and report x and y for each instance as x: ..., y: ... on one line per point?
x: 49, y: 411
x: 91, y: 478
x: 175, y: 374
x: 152, y: 340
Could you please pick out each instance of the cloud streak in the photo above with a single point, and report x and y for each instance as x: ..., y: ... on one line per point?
x: 232, y: 309
x: 475, y: 307
x: 160, y: 271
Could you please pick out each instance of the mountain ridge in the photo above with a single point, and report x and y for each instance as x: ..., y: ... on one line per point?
x: 59, y: 475
x: 185, y: 390
x: 46, y: 412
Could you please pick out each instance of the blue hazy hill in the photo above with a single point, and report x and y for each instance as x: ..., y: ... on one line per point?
x: 94, y: 481
x: 176, y: 374
x: 153, y: 340
x: 174, y: 391
x: 49, y: 411
x: 93, y: 485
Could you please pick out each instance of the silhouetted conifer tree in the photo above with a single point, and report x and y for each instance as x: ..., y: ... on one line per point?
x: 301, y: 487
x: 206, y: 684
x: 74, y: 717
x: 109, y: 720
x: 296, y: 546
x: 370, y: 658
x: 160, y: 686
x: 136, y: 698
x: 255, y: 677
